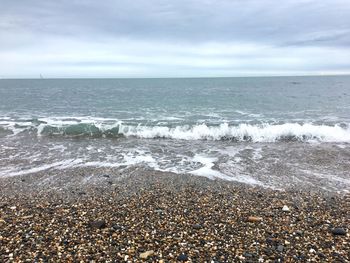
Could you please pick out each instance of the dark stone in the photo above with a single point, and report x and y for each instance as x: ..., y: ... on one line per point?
x: 114, y: 243
x: 23, y: 180
x: 328, y: 244
x: 271, y: 241
x: 110, y: 182
x: 302, y: 257
x: 81, y: 193
x: 197, y: 226
x: 260, y: 195
x: 299, y: 232
x: 159, y: 211
x: 3, y: 205
x: 106, y: 175
x: 247, y: 255
x: 182, y: 257
x: 118, y: 227
x: 338, y: 231
x: 98, y: 224
x: 268, y: 251
x: 280, y: 248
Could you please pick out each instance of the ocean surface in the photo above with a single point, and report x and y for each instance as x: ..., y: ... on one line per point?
x: 275, y: 132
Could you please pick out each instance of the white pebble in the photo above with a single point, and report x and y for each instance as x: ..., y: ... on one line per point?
x: 285, y: 208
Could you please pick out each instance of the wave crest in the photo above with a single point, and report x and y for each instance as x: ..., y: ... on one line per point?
x: 80, y: 129
x: 266, y: 132
x: 244, y: 132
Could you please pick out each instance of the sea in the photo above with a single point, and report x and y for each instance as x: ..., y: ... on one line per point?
x: 271, y: 132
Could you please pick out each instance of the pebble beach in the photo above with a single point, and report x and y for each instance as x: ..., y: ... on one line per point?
x: 150, y: 216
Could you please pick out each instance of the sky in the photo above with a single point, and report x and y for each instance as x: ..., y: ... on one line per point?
x: 167, y: 38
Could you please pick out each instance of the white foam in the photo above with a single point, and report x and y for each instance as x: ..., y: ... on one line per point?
x: 248, y: 114
x: 231, y: 151
x: 60, y: 165
x: 257, y: 154
x: 60, y: 148
x: 100, y: 164
x: 139, y: 159
x: 330, y: 177
x: 342, y: 146
x: 171, y: 118
x: 11, y: 126
x: 256, y: 133
x: 207, y: 171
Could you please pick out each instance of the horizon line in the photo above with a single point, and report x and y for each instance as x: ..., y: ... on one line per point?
x: 201, y: 77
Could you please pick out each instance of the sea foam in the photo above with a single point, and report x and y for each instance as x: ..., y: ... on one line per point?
x: 263, y: 132
x: 243, y: 132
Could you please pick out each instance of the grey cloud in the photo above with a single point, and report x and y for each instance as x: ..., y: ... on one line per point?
x: 207, y: 20
x: 233, y: 36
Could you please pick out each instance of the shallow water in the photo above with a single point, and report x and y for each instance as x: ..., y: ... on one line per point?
x: 273, y: 132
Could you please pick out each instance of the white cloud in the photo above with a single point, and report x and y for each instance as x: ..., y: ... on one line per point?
x: 130, y: 58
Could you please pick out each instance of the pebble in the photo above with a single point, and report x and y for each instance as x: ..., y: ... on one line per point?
x: 27, y: 217
x: 285, y: 208
x: 118, y: 227
x: 197, y: 226
x: 119, y: 224
x: 254, y: 219
x: 98, y: 224
x: 299, y: 232
x: 247, y: 255
x: 280, y: 248
x: 147, y: 254
x: 338, y: 231
x: 182, y: 257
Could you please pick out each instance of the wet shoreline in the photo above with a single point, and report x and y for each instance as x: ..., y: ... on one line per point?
x: 142, y: 215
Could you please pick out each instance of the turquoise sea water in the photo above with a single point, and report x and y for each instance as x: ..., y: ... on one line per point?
x: 270, y: 131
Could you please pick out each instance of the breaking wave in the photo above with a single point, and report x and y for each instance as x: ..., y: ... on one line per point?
x: 244, y: 132
x: 265, y: 132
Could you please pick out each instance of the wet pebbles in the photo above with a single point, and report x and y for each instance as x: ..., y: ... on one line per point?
x: 159, y: 217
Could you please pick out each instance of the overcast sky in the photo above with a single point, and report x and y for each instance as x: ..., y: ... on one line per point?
x: 168, y: 38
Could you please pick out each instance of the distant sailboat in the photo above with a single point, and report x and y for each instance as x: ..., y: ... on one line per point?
x: 41, y: 76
